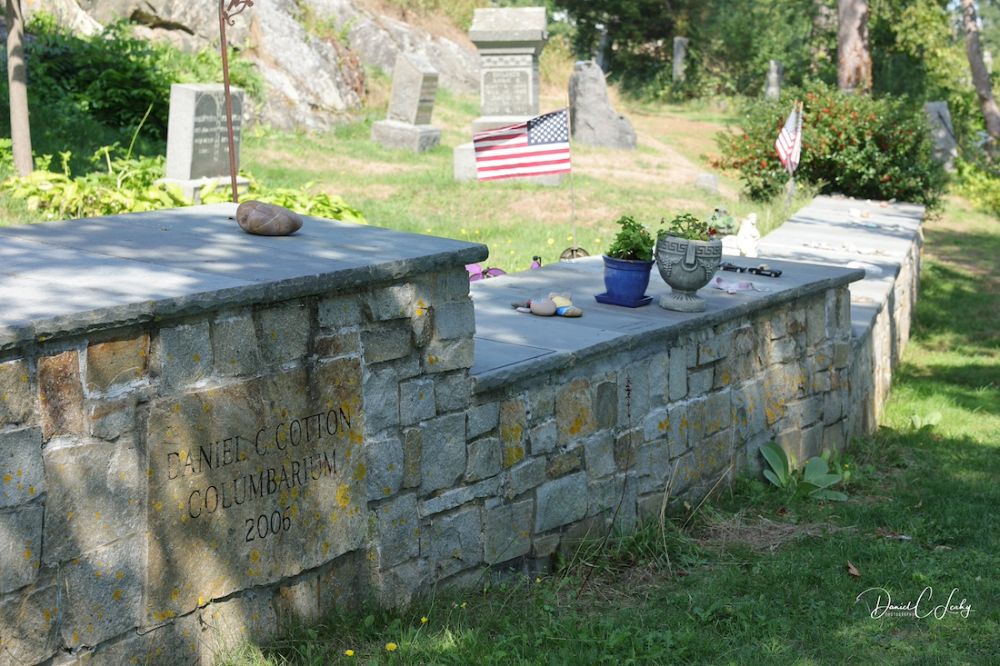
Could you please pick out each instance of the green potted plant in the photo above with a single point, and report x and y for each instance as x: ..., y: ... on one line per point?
x: 688, y: 253
x: 627, y: 265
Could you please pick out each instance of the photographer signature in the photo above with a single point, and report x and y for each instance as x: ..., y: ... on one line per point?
x: 921, y: 608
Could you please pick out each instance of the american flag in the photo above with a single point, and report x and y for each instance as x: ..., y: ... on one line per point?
x: 789, y: 143
x: 537, y: 147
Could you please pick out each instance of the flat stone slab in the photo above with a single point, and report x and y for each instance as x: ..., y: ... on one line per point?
x: 511, y: 346
x: 99, y: 273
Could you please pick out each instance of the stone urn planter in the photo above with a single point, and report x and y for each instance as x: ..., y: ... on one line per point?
x: 687, y: 266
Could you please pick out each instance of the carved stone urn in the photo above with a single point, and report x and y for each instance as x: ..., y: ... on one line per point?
x: 687, y: 266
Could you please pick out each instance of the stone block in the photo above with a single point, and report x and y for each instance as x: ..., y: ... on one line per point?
x: 684, y: 472
x: 525, y: 476
x: 834, y: 407
x: 507, y: 531
x: 450, y: 499
x: 455, y: 319
x: 338, y: 312
x: 452, y: 392
x: 618, y: 496
x: 513, y: 422
x: 61, y: 394
x: 173, y: 644
x: 109, y: 419
x: 805, y: 412
x: 102, y: 593
x: 284, y: 333
x: 443, y: 452
x: 95, y: 494
x: 541, y: 403
x: 834, y: 437
x: 680, y: 426
x: 344, y: 343
x: 234, y: 346
x: 599, y: 451
x: 748, y: 414
x: 398, y: 530
x: 247, y: 618
x: 20, y: 547
x: 812, y: 441
x: 723, y: 373
x: 626, y: 444
x: 544, y: 437
x: 388, y: 341
x: 115, y: 363
x: 718, y: 411
x: 395, y: 588
x: 575, y: 411
x: 700, y: 382
x: 384, y: 456
x: 381, y: 395
x: 340, y: 583
x: 413, y: 442
x: 416, y: 401
x: 564, y: 463
x: 656, y: 424
x: 483, y: 418
x: 447, y: 355
x: 29, y: 624
x: 393, y: 302
x: 484, y: 459
x: 22, y: 475
x: 659, y: 378
x: 606, y: 404
x: 678, y: 375
x: 652, y: 465
x: 184, y: 355
x: 396, y: 135
x: 297, y: 603
x: 453, y: 542
x: 17, y: 402
x: 561, y: 502
x: 716, y: 347
x: 714, y: 453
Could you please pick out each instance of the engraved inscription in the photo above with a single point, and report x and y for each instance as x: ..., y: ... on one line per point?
x: 251, y: 483
x: 506, y: 91
x: 210, y: 152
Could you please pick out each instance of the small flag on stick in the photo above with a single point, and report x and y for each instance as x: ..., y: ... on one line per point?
x: 536, y: 147
x: 789, y: 143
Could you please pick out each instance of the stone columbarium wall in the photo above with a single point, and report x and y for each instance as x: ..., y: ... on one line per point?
x: 204, y: 434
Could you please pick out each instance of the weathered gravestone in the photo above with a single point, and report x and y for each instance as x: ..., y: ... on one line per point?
x: 197, y: 142
x: 407, y: 124
x: 592, y: 119
x: 944, y: 148
x: 680, y: 53
x: 772, y: 87
x: 510, y: 41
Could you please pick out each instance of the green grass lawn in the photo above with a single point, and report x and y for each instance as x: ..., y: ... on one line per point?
x: 756, y: 576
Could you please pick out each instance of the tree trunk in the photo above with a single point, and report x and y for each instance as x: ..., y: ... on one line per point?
x: 980, y: 75
x: 17, y: 78
x: 854, y: 62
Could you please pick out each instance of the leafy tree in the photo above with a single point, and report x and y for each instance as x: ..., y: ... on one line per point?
x: 980, y: 75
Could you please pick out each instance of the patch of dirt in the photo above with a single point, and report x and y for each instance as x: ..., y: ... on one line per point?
x: 759, y: 535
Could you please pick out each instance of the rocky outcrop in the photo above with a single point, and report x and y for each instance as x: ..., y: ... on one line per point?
x: 312, y: 79
x: 592, y: 119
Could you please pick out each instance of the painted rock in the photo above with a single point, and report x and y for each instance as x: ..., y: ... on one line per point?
x: 255, y: 217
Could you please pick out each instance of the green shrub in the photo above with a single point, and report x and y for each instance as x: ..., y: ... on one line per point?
x: 851, y: 144
x: 86, y: 92
x: 127, y: 184
x: 980, y: 186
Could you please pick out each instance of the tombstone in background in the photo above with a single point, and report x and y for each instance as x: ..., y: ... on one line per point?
x: 944, y: 148
x: 592, y: 120
x: 197, y: 143
x: 772, y: 88
x: 510, y: 41
x: 680, y: 53
x: 407, y: 124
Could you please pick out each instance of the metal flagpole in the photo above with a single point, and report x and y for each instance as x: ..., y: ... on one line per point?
x: 225, y: 16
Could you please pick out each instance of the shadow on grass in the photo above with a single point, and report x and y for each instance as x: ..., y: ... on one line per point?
x: 973, y: 386
x: 958, y: 306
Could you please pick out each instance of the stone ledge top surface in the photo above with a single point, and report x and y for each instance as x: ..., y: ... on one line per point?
x: 73, y: 277
x: 513, y: 346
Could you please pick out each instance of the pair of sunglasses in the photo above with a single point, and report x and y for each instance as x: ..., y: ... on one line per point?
x: 762, y: 269
x: 477, y: 272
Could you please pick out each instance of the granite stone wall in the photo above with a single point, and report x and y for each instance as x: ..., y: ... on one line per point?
x: 171, y: 488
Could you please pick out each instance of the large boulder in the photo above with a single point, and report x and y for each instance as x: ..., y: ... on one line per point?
x: 592, y: 119
x: 313, y: 79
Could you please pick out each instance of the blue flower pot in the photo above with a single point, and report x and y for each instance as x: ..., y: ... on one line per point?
x: 626, y: 281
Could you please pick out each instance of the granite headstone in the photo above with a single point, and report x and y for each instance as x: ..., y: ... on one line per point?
x: 592, y: 120
x: 197, y: 142
x: 772, y: 87
x: 680, y: 53
x: 407, y: 123
x: 944, y: 148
